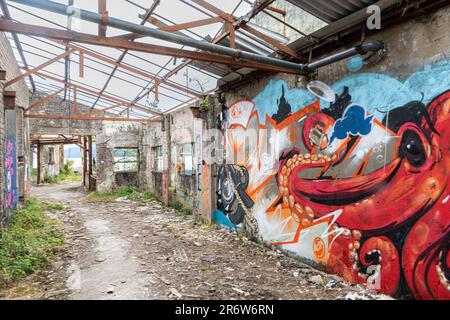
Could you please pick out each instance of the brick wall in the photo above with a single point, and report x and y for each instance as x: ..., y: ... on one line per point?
x: 9, y: 64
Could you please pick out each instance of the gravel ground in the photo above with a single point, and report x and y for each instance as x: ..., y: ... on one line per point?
x: 143, y: 250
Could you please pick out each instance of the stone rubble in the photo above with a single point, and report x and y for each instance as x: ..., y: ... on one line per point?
x: 159, y: 254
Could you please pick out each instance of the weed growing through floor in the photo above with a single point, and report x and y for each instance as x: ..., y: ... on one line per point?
x: 66, y: 174
x: 129, y: 193
x: 30, y: 242
x: 177, y: 205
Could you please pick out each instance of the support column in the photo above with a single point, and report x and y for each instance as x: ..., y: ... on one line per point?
x: 166, y: 160
x: 11, y: 190
x: 90, y: 163
x: 84, y: 161
x: 39, y: 170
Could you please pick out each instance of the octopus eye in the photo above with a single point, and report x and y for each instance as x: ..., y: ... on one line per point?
x: 413, y: 149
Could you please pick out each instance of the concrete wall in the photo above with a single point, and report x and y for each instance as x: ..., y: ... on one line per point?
x: 57, y: 106
x: 117, y: 135
x: 196, y: 189
x: 356, y: 181
x: 51, y: 160
x: 14, y: 177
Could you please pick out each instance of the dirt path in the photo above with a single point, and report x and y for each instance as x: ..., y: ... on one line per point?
x: 130, y: 250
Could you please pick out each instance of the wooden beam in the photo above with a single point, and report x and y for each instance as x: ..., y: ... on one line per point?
x: 81, y: 64
x: 10, y: 26
x: 47, y: 98
x: 133, y: 70
x: 93, y: 113
x: 277, y: 10
x: 270, y: 40
x: 102, y: 10
x: 192, y: 24
x: 232, y: 33
x: 75, y: 100
x: 9, y: 100
x: 90, y: 164
x: 32, y: 71
x: 38, y: 163
x: 83, y: 118
x: 246, y: 27
x: 214, y: 9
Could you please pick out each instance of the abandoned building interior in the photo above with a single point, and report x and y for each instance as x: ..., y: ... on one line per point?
x: 293, y: 122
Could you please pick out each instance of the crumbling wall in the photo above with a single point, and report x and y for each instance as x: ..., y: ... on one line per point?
x: 356, y: 181
x: 155, y: 135
x: 117, y: 135
x: 51, y: 160
x: 178, y: 181
x: 57, y: 106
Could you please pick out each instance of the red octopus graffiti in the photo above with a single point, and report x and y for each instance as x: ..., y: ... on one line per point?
x: 409, y: 196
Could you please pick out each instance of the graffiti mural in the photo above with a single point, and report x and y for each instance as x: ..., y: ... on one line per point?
x: 348, y: 177
x: 10, y: 172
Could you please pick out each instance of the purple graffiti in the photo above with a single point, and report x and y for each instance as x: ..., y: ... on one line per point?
x: 11, y: 196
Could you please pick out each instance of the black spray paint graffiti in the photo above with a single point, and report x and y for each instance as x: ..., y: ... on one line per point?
x: 232, y: 181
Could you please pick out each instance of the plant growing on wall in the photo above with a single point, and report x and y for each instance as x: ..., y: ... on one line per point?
x: 205, y: 105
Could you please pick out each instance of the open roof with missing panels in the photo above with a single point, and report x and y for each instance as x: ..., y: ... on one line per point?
x: 134, y: 82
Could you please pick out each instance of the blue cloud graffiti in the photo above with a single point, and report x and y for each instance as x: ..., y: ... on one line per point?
x: 375, y: 91
x: 353, y: 122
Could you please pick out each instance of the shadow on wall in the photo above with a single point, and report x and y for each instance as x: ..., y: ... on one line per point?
x: 348, y: 177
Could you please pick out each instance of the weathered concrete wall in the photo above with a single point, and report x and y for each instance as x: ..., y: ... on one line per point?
x: 117, y: 135
x: 196, y: 189
x: 57, y: 106
x: 356, y: 181
x: 51, y: 160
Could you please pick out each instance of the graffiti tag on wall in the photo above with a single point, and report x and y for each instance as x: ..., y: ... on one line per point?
x: 358, y: 182
x: 10, y: 172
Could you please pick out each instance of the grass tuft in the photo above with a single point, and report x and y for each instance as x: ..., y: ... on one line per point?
x: 130, y: 193
x: 177, y: 205
x: 66, y: 175
x: 30, y: 242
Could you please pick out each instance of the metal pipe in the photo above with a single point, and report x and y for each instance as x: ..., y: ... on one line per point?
x: 366, y: 47
x: 159, y: 34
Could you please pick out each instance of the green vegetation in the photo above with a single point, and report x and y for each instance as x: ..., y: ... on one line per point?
x: 130, y: 193
x: 66, y: 174
x: 177, y: 205
x: 34, y: 172
x: 30, y: 242
x: 205, y: 105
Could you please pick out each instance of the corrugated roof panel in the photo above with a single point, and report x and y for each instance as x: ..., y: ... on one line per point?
x: 332, y: 10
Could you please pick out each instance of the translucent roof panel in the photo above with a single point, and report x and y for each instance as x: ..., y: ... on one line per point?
x: 128, y: 75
